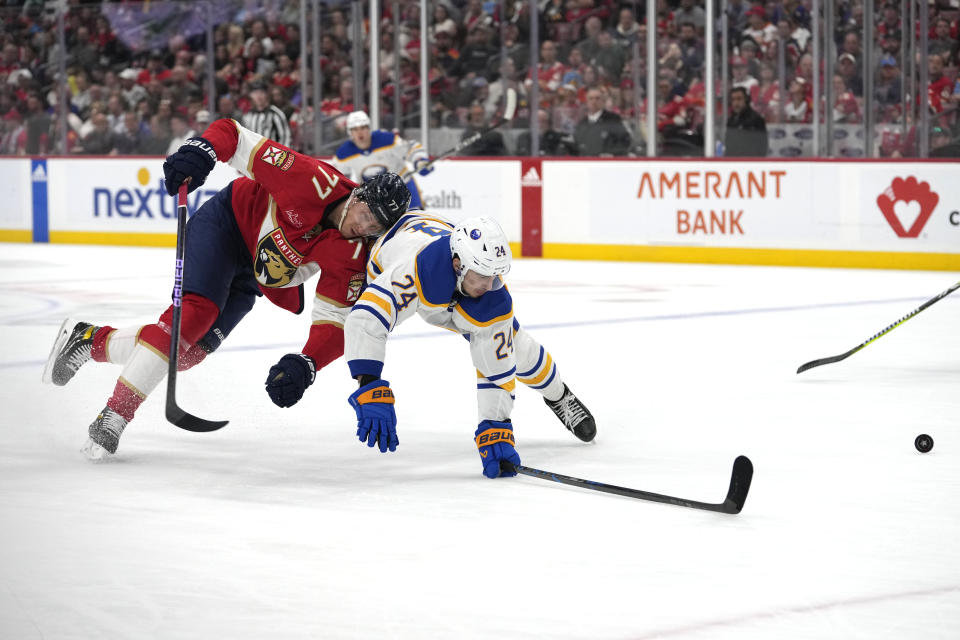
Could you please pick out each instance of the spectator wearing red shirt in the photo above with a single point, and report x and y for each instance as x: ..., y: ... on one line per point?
x: 941, y: 88
x: 798, y: 108
x: 845, y: 107
x: 550, y: 70
x: 155, y: 70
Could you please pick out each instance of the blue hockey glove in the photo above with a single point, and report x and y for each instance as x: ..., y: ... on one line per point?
x: 496, y: 444
x: 289, y: 378
x: 194, y: 159
x: 423, y: 167
x: 376, y: 419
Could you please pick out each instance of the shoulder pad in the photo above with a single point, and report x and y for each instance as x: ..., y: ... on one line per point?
x: 435, y: 277
x: 381, y: 138
x: 346, y: 150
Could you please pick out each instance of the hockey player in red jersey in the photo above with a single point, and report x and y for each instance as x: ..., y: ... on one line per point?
x: 266, y: 233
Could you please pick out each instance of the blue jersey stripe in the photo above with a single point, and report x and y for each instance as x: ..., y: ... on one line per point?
x: 502, y: 375
x: 385, y: 292
x: 527, y: 374
x: 373, y: 311
x: 549, y: 380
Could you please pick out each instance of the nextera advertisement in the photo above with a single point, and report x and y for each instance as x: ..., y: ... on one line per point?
x: 119, y: 195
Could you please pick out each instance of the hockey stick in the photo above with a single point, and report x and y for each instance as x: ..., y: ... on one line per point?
x: 736, y: 494
x: 175, y: 414
x: 509, y: 110
x: 844, y: 356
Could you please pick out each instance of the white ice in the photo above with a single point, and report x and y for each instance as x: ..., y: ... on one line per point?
x: 283, y: 525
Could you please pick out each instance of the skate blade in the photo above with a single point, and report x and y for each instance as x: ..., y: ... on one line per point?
x: 62, y: 336
x: 94, y: 452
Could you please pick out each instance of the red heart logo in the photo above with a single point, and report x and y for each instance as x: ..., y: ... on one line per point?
x: 905, y: 195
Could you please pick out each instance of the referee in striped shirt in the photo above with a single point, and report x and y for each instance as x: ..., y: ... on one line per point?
x: 265, y: 118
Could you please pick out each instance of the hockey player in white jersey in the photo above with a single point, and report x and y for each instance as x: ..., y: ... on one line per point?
x: 369, y: 153
x: 453, y: 277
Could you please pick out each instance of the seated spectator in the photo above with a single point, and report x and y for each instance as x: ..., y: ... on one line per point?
x: 889, y: 24
x: 489, y: 144
x: 848, y: 68
x: 590, y: 43
x: 133, y: 135
x: 691, y: 51
x: 567, y: 110
x: 940, y: 89
x: 132, y: 91
x: 768, y: 93
x: 759, y: 28
x: 442, y: 21
x: 600, y: 132
x: 101, y: 140
x: 626, y: 32
x: 13, y: 134
x: 943, y: 144
x: 749, y: 51
x: 181, y: 130
x: 742, y: 79
x: 845, y: 106
x: 227, y: 108
x: 889, y: 87
x: 688, y: 11
x: 746, y: 134
x: 552, y: 142
x: 942, y: 43
x: 609, y: 58
x: 798, y: 107
x: 476, y: 53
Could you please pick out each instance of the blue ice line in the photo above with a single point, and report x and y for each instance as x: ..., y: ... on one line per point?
x: 572, y: 323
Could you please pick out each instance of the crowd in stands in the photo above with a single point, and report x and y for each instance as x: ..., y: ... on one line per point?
x: 590, y: 77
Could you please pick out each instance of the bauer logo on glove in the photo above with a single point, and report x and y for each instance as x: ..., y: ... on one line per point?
x: 376, y: 419
x: 495, y: 443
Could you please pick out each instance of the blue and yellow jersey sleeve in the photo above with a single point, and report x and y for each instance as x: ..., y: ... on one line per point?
x: 409, y: 270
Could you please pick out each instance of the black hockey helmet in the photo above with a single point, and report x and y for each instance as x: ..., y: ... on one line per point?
x: 386, y: 195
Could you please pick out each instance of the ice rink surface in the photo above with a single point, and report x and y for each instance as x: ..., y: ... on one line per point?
x: 283, y: 525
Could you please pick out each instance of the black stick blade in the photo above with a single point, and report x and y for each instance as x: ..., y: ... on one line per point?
x: 739, y: 485
x: 820, y: 361
x: 189, y: 422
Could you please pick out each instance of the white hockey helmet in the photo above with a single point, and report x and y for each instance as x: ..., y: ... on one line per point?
x: 483, y: 248
x: 357, y: 119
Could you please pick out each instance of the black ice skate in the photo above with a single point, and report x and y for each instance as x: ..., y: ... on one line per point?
x: 574, y: 415
x: 70, y: 351
x: 104, y: 434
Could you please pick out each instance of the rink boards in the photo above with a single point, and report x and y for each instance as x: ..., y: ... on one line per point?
x: 809, y: 213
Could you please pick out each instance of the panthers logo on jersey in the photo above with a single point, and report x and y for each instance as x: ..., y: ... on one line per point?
x: 355, y: 286
x: 276, y: 261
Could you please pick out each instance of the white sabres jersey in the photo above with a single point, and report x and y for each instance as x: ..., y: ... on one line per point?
x: 387, y: 152
x: 410, y: 271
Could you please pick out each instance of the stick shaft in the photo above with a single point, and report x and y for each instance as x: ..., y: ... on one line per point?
x: 844, y: 356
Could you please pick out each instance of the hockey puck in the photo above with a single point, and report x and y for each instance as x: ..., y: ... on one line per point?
x: 923, y: 443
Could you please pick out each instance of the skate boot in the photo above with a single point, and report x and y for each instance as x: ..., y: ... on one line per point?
x: 104, y: 434
x: 574, y: 415
x: 70, y: 351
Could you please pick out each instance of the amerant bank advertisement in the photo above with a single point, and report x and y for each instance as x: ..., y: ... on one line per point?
x: 817, y: 205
